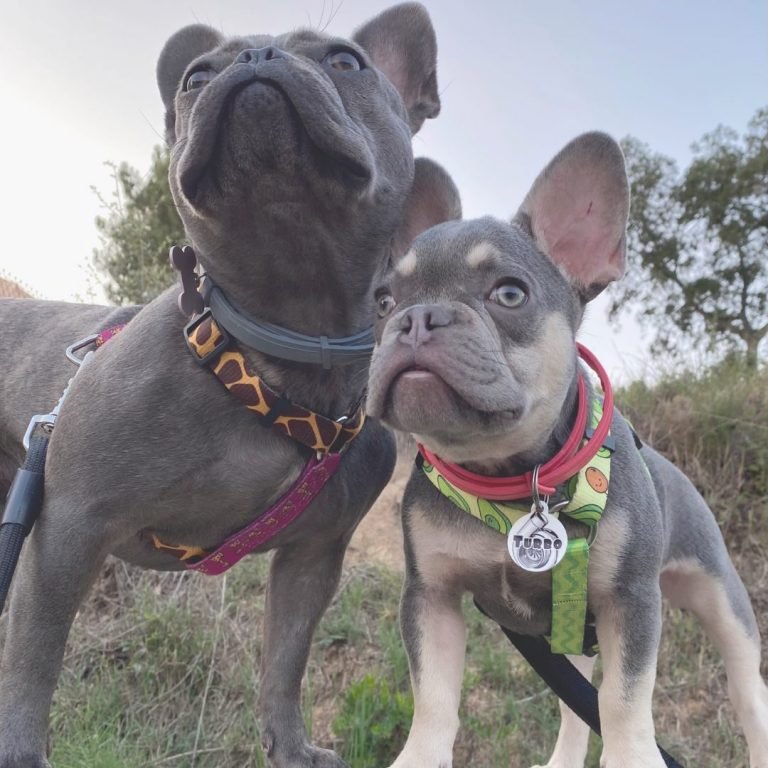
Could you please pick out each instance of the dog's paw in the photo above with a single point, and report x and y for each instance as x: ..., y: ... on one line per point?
x: 650, y: 758
x: 307, y: 757
x: 561, y: 764
x: 404, y: 761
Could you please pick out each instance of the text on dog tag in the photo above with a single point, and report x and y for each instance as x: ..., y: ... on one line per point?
x: 538, y: 541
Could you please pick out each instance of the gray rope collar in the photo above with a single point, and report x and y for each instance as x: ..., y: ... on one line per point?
x: 283, y: 343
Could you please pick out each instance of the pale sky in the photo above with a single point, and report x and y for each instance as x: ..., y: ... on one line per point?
x: 518, y: 80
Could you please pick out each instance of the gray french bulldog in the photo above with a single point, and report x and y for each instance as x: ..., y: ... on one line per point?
x: 292, y: 168
x: 476, y: 357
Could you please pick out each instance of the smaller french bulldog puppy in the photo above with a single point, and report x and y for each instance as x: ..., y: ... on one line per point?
x: 476, y: 356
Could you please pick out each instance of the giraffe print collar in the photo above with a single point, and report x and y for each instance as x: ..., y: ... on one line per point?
x: 212, y: 347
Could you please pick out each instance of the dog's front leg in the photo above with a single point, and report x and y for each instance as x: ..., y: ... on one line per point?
x: 302, y: 581
x: 60, y: 561
x: 435, y: 639
x: 628, y: 631
x: 573, y: 737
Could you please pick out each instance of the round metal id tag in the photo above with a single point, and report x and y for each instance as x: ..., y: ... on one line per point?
x: 537, y: 542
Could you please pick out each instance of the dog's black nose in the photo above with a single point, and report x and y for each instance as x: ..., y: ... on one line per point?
x: 417, y: 322
x: 255, y: 55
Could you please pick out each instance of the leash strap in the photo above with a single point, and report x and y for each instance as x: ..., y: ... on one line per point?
x: 25, y: 496
x: 22, y: 507
x: 570, y: 686
x: 213, y: 347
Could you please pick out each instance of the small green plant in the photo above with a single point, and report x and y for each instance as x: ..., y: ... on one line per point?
x: 373, y: 722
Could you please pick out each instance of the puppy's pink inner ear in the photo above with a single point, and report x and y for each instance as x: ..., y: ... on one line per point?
x: 589, y: 252
x: 578, y: 208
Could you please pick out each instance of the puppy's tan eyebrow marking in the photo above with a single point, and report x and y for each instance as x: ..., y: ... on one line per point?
x: 407, y: 265
x: 482, y: 253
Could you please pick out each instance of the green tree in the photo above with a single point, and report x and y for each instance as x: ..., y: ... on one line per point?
x: 140, y: 225
x: 698, y: 241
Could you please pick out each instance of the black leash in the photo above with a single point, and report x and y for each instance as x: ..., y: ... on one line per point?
x: 22, y: 506
x: 570, y: 686
x: 25, y: 496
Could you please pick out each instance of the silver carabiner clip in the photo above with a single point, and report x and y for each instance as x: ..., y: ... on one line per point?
x: 78, y: 345
x: 540, y: 506
x: 47, y: 421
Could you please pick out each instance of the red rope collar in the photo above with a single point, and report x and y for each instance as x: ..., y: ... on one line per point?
x: 567, y: 462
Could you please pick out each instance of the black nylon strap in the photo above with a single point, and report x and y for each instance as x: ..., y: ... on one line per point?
x: 570, y: 686
x: 11, y: 539
x: 22, y: 507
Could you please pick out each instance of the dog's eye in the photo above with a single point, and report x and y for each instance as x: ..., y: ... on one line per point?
x: 509, y: 294
x: 199, y: 79
x: 344, y: 61
x: 385, y: 303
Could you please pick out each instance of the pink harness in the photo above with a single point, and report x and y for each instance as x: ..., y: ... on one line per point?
x: 285, y: 510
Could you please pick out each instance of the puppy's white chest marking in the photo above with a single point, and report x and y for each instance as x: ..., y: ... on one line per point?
x: 446, y: 556
x: 446, y: 552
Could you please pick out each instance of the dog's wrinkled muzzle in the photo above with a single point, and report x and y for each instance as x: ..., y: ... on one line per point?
x: 258, y: 95
x: 434, y: 361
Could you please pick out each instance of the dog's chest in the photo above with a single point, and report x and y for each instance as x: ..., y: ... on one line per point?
x: 459, y: 554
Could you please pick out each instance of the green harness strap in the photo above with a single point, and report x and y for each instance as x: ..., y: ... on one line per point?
x: 587, y: 493
x: 569, y: 599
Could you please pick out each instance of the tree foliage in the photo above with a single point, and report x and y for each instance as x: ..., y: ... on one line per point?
x: 140, y: 225
x: 698, y: 241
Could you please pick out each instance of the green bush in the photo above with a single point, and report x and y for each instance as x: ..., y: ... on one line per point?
x: 714, y: 426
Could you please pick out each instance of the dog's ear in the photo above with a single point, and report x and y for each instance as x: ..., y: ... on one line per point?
x: 184, y: 46
x: 433, y: 199
x: 401, y: 41
x: 577, y: 212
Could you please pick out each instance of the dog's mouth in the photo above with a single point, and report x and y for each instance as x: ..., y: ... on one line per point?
x: 416, y: 395
x: 421, y: 402
x: 435, y: 387
x: 246, y: 102
x: 417, y: 373
x: 410, y: 387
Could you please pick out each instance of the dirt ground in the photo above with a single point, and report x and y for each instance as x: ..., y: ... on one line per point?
x: 379, y: 537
